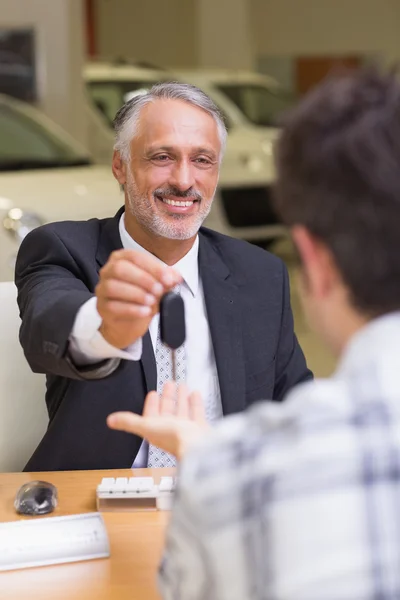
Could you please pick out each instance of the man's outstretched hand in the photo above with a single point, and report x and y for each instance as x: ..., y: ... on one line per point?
x: 173, y: 422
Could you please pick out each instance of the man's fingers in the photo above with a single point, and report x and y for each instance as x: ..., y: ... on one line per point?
x: 114, y: 289
x: 168, y: 399
x: 151, y: 405
x: 151, y: 265
x: 196, y: 408
x: 114, y: 309
x: 125, y: 271
x: 182, y: 403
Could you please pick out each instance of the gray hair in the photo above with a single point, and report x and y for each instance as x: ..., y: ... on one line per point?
x: 127, y: 118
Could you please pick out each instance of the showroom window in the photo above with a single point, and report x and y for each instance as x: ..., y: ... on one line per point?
x: 109, y: 96
x: 262, y: 106
x: 23, y: 139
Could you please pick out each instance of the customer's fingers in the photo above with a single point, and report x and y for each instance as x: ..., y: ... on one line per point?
x: 168, y: 432
x: 161, y: 431
x: 196, y: 408
x: 168, y: 399
x: 127, y: 421
x: 182, y: 402
x: 151, y: 405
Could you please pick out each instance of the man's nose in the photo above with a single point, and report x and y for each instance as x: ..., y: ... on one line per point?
x: 182, y: 176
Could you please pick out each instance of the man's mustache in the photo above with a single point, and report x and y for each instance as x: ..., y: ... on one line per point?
x: 174, y: 191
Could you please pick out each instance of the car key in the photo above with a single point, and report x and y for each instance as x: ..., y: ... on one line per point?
x: 172, y: 324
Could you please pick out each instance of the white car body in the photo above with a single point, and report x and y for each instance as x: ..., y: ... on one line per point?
x: 247, y: 170
x: 54, y: 195
x: 33, y: 195
x: 216, y: 82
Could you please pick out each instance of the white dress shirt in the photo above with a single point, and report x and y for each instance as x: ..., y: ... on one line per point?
x: 298, y: 501
x: 87, y: 345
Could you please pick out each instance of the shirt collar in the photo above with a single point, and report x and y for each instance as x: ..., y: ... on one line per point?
x: 188, y: 266
x: 376, y: 341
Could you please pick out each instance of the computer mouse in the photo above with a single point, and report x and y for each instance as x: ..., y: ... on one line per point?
x: 36, y: 498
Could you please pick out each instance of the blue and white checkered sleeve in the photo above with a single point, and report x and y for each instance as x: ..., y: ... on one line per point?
x: 286, y: 501
x: 183, y: 570
x: 206, y: 539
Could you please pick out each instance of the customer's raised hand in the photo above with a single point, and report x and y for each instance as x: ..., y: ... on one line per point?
x: 173, y: 422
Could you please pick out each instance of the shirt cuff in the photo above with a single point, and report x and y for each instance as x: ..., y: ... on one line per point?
x: 88, y: 346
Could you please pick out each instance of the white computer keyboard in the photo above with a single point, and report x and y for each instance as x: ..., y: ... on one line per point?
x: 135, y: 493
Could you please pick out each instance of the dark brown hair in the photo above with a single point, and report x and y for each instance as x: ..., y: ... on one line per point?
x: 338, y: 163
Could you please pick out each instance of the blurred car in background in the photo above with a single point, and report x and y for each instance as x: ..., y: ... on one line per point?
x: 252, y: 102
x: 45, y: 176
x: 109, y: 86
x: 247, y: 170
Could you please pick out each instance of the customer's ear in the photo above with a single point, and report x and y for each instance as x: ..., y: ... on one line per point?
x: 317, y: 265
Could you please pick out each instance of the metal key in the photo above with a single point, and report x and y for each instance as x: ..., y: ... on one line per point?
x: 172, y: 324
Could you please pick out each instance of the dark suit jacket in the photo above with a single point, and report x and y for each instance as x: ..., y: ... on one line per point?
x: 247, y: 298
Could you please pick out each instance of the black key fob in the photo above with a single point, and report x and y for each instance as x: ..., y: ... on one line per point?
x: 172, y: 320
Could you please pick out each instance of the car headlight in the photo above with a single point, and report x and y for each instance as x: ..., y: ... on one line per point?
x: 19, y: 223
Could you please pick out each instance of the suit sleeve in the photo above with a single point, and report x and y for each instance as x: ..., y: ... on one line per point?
x: 291, y: 367
x: 50, y: 294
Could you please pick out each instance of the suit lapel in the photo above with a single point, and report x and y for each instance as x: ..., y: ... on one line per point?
x: 109, y: 241
x: 224, y: 317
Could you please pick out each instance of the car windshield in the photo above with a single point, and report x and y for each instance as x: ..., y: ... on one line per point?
x: 261, y: 105
x: 109, y: 96
x: 27, y: 144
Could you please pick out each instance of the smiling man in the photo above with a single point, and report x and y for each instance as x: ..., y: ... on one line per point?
x: 89, y: 293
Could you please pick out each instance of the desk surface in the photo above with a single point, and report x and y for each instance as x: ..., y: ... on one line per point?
x: 136, y: 542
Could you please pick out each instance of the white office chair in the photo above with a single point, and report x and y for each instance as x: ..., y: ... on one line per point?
x: 23, y: 415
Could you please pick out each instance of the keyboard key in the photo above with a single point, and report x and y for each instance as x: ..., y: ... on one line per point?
x: 121, y: 483
x: 140, y: 484
x: 107, y: 484
x: 166, y: 484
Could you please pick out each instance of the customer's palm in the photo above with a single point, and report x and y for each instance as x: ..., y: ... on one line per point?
x: 173, y: 422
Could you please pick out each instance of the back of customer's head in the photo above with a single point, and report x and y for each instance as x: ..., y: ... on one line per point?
x: 338, y: 163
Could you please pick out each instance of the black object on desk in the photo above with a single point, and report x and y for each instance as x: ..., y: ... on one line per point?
x: 36, y: 498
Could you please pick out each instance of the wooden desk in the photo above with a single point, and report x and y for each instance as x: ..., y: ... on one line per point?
x: 136, y: 542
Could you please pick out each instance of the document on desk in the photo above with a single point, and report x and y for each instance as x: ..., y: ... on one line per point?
x: 52, y: 540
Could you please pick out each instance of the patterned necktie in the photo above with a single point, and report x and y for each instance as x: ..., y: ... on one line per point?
x: 156, y: 456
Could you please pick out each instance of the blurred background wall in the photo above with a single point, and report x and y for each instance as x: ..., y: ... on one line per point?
x: 159, y: 32
x: 57, y: 25
x: 288, y: 32
x: 272, y: 36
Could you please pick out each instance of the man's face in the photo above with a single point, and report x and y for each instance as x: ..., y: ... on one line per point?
x: 173, y: 171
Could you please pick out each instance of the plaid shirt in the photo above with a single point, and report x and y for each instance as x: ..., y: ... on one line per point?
x: 299, y: 501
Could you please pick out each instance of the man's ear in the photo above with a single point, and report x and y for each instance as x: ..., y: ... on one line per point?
x: 317, y: 262
x: 118, y: 168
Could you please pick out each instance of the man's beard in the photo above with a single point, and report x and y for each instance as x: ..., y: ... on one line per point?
x: 178, y: 226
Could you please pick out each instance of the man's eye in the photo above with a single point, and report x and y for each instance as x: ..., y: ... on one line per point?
x: 203, y: 160
x: 161, y: 157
